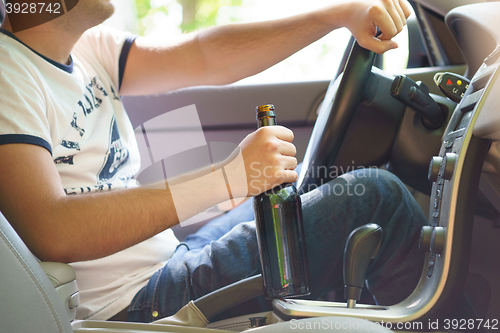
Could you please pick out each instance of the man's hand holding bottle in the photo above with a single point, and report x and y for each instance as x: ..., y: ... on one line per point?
x: 268, y: 160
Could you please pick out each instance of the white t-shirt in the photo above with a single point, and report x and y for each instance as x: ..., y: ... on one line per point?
x: 74, y: 111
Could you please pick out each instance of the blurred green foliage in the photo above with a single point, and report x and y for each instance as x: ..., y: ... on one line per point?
x: 196, y: 14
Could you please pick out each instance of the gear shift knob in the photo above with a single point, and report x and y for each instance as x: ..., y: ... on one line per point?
x: 362, y: 245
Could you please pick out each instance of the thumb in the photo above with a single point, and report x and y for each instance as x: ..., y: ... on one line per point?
x: 379, y: 45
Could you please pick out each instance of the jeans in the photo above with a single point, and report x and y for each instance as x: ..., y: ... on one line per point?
x: 225, y: 249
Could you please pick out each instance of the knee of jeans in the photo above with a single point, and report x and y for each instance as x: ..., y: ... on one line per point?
x: 374, y: 181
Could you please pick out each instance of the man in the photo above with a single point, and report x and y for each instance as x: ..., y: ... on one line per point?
x: 63, y: 125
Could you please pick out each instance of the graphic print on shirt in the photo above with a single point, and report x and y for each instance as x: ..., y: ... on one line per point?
x: 90, y: 101
x: 88, y: 104
x: 70, y: 144
x: 64, y: 160
x: 114, y: 94
x: 80, y: 130
x: 116, y: 156
x: 99, y: 87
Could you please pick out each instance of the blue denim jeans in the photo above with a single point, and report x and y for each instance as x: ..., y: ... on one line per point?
x: 225, y: 250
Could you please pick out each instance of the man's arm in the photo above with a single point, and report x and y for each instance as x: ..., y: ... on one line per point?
x: 68, y: 228
x: 225, y: 54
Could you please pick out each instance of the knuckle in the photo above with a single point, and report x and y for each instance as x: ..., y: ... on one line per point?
x: 267, y: 130
x: 272, y: 146
x: 263, y: 130
x: 374, y: 11
x: 276, y: 160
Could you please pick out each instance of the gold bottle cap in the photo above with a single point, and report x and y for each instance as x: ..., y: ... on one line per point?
x: 265, y: 108
x: 265, y: 115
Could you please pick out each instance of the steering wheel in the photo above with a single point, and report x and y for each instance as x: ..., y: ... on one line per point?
x: 338, y: 109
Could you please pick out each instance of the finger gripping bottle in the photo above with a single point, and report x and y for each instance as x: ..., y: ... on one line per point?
x: 280, y: 233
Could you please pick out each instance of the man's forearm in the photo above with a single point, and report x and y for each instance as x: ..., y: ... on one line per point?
x: 91, y: 226
x: 225, y: 54
x: 233, y: 52
x: 218, y: 55
x: 75, y: 228
x: 68, y: 228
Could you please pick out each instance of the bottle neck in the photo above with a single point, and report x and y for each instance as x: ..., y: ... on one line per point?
x: 266, y: 121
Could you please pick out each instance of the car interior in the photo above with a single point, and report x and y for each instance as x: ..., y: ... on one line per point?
x: 436, y: 125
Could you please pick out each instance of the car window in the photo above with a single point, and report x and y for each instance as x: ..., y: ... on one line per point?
x: 319, y: 61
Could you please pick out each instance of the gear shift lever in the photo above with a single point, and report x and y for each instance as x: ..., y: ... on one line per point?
x: 362, y: 245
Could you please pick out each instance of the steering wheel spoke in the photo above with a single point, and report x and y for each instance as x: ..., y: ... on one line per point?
x: 339, y: 107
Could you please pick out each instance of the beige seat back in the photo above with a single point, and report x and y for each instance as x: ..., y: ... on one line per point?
x: 29, y: 302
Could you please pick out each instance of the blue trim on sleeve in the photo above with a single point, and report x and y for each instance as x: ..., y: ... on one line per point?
x: 123, y: 58
x: 25, y: 138
x: 66, y: 68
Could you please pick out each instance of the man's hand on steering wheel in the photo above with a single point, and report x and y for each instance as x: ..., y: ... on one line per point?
x: 364, y: 16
